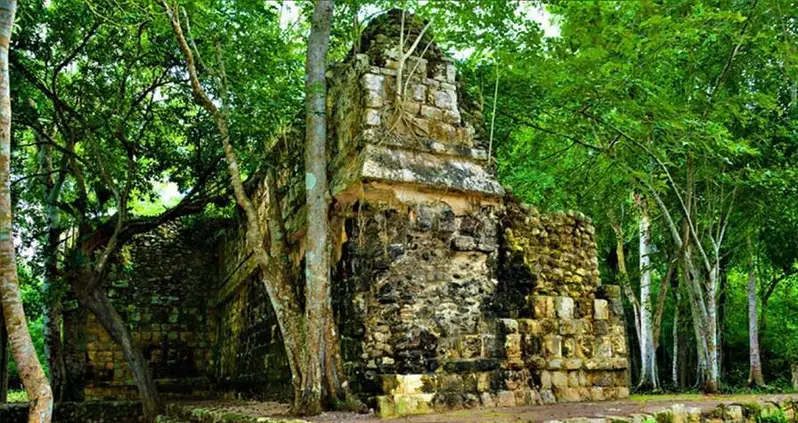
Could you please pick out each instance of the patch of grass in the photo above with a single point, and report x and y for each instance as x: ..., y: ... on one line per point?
x: 17, y: 396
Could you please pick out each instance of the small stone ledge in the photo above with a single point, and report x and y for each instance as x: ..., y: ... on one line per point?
x: 195, y: 414
x: 723, y: 413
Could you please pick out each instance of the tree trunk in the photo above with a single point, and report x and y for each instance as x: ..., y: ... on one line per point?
x: 317, y: 264
x: 97, y: 302
x: 648, y: 358
x: 30, y: 370
x: 794, y: 371
x: 755, y: 375
x: 75, y: 344
x: 3, y: 359
x: 675, y: 364
x: 712, y: 383
x: 53, y: 314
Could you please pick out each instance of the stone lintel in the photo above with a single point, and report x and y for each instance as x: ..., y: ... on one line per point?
x: 391, y: 165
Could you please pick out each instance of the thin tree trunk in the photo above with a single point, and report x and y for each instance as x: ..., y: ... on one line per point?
x: 712, y: 384
x: 648, y: 357
x: 676, y: 352
x: 317, y: 264
x: 97, y: 302
x: 53, y: 315
x: 755, y: 375
x: 30, y: 370
x: 3, y: 359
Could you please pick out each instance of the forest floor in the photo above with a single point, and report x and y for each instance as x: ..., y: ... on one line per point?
x: 538, y: 413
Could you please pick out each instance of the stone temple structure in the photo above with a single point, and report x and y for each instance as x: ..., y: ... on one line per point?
x: 447, y: 291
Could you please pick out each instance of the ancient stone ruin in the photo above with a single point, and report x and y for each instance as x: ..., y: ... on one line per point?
x: 447, y: 291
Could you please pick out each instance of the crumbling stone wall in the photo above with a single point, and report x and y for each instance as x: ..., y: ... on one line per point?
x: 249, y: 358
x: 158, y: 284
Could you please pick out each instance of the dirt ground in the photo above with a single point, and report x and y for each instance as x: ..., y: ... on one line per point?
x: 539, y: 413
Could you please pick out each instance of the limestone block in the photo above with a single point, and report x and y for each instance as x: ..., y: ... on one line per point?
x: 505, y: 399
x: 416, y: 65
x: 733, y: 413
x: 584, y: 326
x: 600, y: 310
x: 486, y: 400
x: 372, y: 82
x: 619, y: 344
x: 372, y: 117
x: 603, y: 379
x: 552, y: 346
x: 451, y: 72
x: 471, y: 346
x: 568, y: 395
x: 573, y: 380
x: 549, y: 326
x: 451, y: 382
x: 564, y: 306
x: 372, y: 98
x: 547, y: 396
x: 573, y: 363
x: 603, y: 347
x: 559, y: 379
x: 464, y: 243
x: 536, y: 362
x: 545, y: 379
x: 512, y: 347
x: 555, y: 364
x: 570, y: 347
x: 543, y: 306
x: 568, y: 326
x: 620, y: 363
x: 597, y: 393
x: 525, y: 397
x: 451, y: 116
x: 412, y: 108
x: 407, y: 405
x: 443, y: 99
x: 431, y: 112
x: 529, y: 326
x: 409, y: 384
x: 483, y: 381
x: 598, y: 364
x: 419, y: 92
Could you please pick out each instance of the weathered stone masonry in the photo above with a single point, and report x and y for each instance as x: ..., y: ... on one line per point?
x: 447, y: 291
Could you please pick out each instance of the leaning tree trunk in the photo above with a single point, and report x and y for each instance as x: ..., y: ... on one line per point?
x: 98, y: 303
x: 30, y: 370
x: 755, y: 375
x: 648, y: 357
x: 317, y: 264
